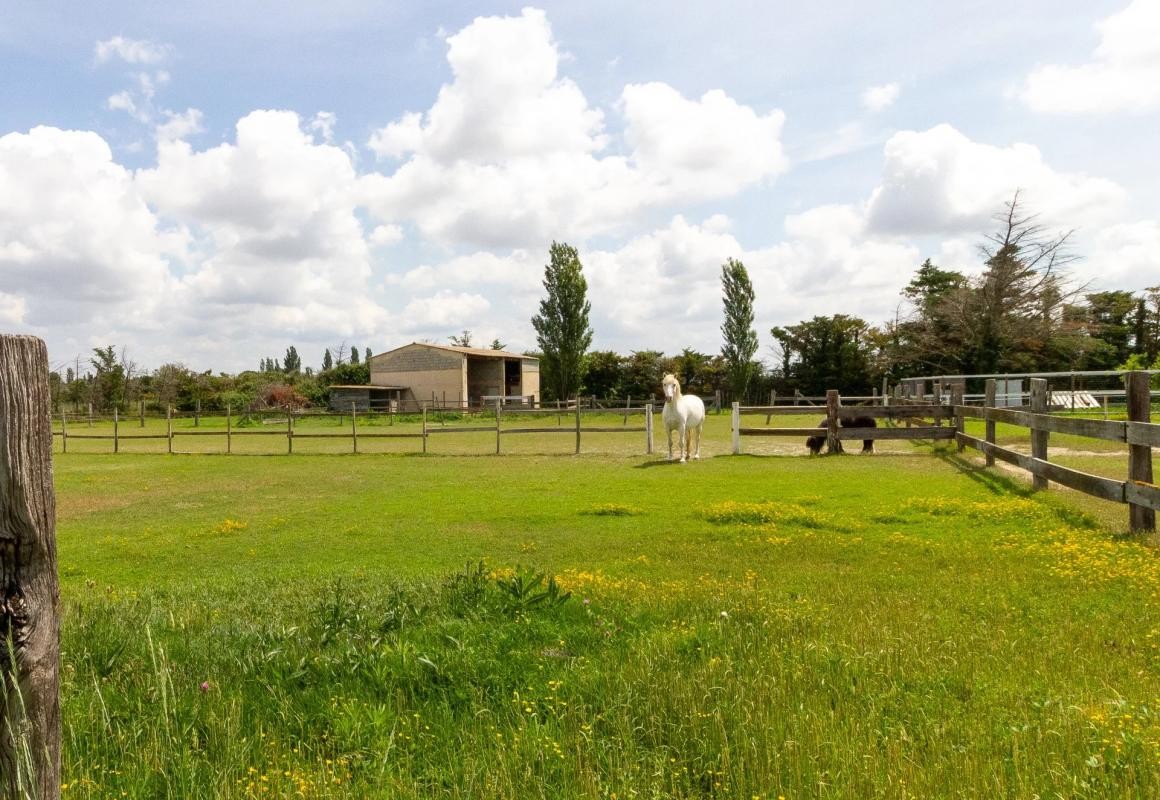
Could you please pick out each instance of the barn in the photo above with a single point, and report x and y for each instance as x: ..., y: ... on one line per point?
x: 445, y: 376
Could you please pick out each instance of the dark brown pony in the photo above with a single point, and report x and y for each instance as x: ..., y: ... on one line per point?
x: 816, y: 443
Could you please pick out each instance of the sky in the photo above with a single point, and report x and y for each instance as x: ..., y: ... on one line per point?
x: 210, y: 183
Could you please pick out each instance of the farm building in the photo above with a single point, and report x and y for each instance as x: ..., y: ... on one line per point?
x: 455, y: 377
x: 366, y: 398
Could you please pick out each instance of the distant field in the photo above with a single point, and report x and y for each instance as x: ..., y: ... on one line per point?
x: 852, y: 627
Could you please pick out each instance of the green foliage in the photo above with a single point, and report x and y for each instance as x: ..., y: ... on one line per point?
x: 354, y: 359
x: 327, y: 360
x: 826, y: 353
x: 562, y: 329
x: 603, y: 374
x: 738, y: 334
x: 462, y: 340
x: 1138, y: 361
x: 109, y: 381
x: 292, y: 362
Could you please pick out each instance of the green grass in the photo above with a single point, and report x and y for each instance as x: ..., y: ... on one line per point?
x: 900, y: 626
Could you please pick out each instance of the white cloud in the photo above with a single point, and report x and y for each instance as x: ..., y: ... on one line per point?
x: 444, y: 310
x: 939, y: 181
x: 710, y: 148
x: 77, y: 240
x: 518, y: 271
x: 131, y: 51
x: 1123, y: 256
x: 879, y: 98
x: 274, y: 215
x: 12, y: 308
x: 386, y: 235
x: 179, y: 125
x: 1122, y: 75
x: 510, y: 153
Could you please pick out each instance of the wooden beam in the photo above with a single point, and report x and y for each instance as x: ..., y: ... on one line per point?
x: 1140, y: 517
x: 1039, y: 437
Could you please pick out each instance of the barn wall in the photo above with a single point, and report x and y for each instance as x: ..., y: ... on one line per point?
x: 424, y: 370
x: 530, y: 377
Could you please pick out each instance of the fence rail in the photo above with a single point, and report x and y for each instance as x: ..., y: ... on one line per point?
x: 1138, y: 433
x: 354, y: 434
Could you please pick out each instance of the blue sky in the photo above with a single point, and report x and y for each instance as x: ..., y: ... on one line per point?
x: 210, y: 184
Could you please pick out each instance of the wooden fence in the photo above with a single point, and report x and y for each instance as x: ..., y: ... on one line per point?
x: 1137, y: 432
x: 354, y: 434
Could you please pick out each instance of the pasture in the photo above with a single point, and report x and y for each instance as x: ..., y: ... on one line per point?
x: 905, y: 625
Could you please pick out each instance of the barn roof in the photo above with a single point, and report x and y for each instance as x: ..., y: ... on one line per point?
x: 364, y: 386
x: 468, y: 351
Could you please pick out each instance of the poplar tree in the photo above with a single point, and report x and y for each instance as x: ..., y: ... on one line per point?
x: 562, y: 328
x: 740, y: 337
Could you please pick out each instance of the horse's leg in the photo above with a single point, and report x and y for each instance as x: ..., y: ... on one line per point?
x: 670, y: 430
x: 684, y: 433
x: 697, y: 454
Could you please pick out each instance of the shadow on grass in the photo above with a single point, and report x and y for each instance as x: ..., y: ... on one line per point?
x: 990, y: 478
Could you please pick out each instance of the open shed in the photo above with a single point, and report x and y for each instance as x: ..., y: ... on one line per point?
x: 365, y: 398
x: 445, y: 376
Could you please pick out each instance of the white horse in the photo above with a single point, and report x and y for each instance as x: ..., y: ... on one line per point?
x: 682, y: 413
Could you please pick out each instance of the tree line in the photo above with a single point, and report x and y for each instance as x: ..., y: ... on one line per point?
x: 1022, y: 313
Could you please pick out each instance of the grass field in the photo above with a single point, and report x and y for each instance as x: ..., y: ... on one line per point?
x: 906, y: 625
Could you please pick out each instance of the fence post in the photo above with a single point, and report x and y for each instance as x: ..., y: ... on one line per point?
x: 627, y: 406
x: 63, y: 433
x: 717, y: 400
x: 142, y: 409
x: 737, y: 428
x: 169, y: 427
x: 1039, y: 438
x: 289, y: 431
x: 229, y: 430
x: 1139, y: 455
x: 29, y: 601
x: 354, y: 426
x: 957, y: 392
x: 988, y: 404
x: 772, y: 403
x: 498, y: 415
x: 116, y: 424
x: 90, y: 415
x: 648, y: 427
x: 197, y: 413
x: 424, y: 428
x: 577, y: 424
x: 833, y: 401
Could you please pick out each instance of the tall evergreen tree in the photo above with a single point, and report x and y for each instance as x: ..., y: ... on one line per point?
x: 327, y: 359
x: 562, y: 328
x: 292, y: 362
x: 367, y: 355
x: 354, y: 355
x: 740, y: 338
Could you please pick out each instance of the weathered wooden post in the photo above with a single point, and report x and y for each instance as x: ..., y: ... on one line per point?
x: 648, y: 427
x: 229, y: 429
x: 289, y: 431
x: 736, y: 427
x: 142, y: 411
x: 627, y: 406
x: 63, y: 433
x: 772, y: 403
x: 29, y: 595
x: 717, y: 400
x: 197, y: 413
x: 424, y: 428
x: 116, y: 424
x: 169, y: 427
x: 498, y: 416
x: 833, y: 402
x: 957, y: 391
x: 577, y: 424
x: 1038, y: 437
x: 988, y: 405
x: 1141, y: 518
x: 353, y: 427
